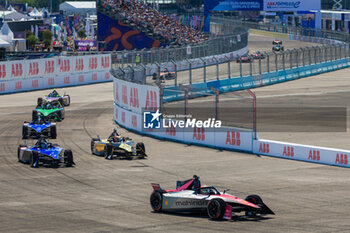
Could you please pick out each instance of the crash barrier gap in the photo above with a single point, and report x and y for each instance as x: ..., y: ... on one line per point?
x: 37, y: 74
x: 131, y: 98
x: 175, y: 93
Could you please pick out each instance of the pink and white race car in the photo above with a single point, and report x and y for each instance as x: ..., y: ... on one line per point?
x: 190, y: 196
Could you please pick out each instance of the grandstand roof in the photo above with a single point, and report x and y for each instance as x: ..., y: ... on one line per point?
x: 78, y: 5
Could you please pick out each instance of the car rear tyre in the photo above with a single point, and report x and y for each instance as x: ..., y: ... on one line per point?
x: 108, y: 151
x: 34, y: 115
x: 156, y: 200
x: 93, y: 140
x: 34, y: 159
x: 19, y: 151
x: 68, y: 158
x: 40, y: 101
x: 68, y: 100
x: 140, y: 148
x: 53, y: 132
x: 24, y: 132
x: 216, y: 208
x: 59, y: 116
x: 256, y: 200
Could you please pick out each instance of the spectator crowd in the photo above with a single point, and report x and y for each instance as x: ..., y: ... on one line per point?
x: 164, y: 28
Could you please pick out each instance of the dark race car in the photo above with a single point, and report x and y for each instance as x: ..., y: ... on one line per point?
x: 54, y: 98
x: 39, y: 127
x: 44, y: 152
x: 190, y: 196
x: 244, y: 59
x: 278, y: 48
x: 275, y: 42
x: 258, y: 55
x: 117, y: 146
x: 165, y: 74
x: 49, y: 111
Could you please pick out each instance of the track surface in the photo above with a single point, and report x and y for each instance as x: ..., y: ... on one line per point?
x: 113, y: 196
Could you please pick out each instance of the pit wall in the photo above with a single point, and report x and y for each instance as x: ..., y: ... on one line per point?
x: 173, y: 93
x: 37, y: 74
x: 130, y: 99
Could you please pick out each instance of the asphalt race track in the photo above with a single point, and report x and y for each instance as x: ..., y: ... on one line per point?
x: 98, y: 195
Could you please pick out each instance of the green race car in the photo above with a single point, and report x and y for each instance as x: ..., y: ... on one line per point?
x: 49, y: 111
x: 278, y: 48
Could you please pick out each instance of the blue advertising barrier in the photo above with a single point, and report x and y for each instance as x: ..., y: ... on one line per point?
x: 174, y: 93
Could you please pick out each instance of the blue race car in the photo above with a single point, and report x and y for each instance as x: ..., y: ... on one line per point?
x: 44, y: 152
x: 39, y: 127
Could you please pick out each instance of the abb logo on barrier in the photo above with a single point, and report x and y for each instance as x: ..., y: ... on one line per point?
x: 93, y: 63
x: 66, y: 80
x: 314, y: 155
x: 35, y: 83
x: 51, y: 81
x: 151, y: 100
x: 33, y: 68
x: 16, y: 70
x: 264, y: 148
x: 198, y: 134
x: 81, y: 78
x: 79, y: 64
x: 134, y: 121
x: 2, y: 71
x: 341, y: 159
x: 107, y: 75
x: 171, y: 130
x: 134, y: 97
x: 123, y: 117
x: 105, y: 61
x: 288, y: 151
x: 94, y: 77
x: 49, y: 67
x: 233, y: 138
x: 64, y: 65
x: 124, y: 94
x: 18, y: 85
x: 2, y: 87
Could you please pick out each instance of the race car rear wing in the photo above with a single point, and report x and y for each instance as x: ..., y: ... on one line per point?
x: 156, y: 186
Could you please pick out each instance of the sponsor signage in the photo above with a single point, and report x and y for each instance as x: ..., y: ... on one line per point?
x: 82, y: 45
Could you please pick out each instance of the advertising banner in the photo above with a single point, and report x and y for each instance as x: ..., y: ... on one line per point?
x: 82, y: 45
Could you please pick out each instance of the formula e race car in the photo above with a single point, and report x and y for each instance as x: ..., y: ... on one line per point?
x: 277, y: 42
x: 164, y: 74
x: 39, y: 127
x: 49, y: 111
x: 244, y: 59
x: 44, y: 152
x: 278, y: 48
x: 258, y: 55
x: 117, y: 146
x: 190, y: 196
x: 54, y: 98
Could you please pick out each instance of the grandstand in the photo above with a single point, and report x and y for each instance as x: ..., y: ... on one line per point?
x: 136, y: 25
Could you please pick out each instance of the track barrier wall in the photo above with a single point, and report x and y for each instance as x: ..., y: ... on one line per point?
x: 36, y: 74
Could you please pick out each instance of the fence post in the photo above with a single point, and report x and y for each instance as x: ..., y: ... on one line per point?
x: 260, y: 63
x: 296, y: 57
x: 276, y: 62
x: 216, y: 92
x: 303, y: 57
x: 250, y: 65
x: 175, y: 70
x: 217, y: 68
x: 283, y: 61
x: 240, y: 66
x: 158, y: 73
x: 309, y: 54
x: 228, y: 67
x: 267, y: 62
x: 204, y: 70
x: 189, y: 71
x: 144, y: 73
x: 290, y: 59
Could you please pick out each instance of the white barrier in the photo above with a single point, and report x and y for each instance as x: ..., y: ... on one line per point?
x: 300, y: 152
x: 21, y: 69
x: 29, y: 84
x: 196, y: 63
x: 136, y: 97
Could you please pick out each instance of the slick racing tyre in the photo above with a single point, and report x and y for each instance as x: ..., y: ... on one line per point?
x: 34, y: 115
x: 53, y: 132
x: 256, y: 200
x: 68, y: 101
x: 108, y: 151
x: 59, y: 116
x: 68, y: 158
x: 18, y: 152
x: 156, y: 200
x: 140, y: 148
x: 216, y: 208
x: 24, y: 132
x: 40, y: 101
x: 93, y: 140
x: 34, y: 159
